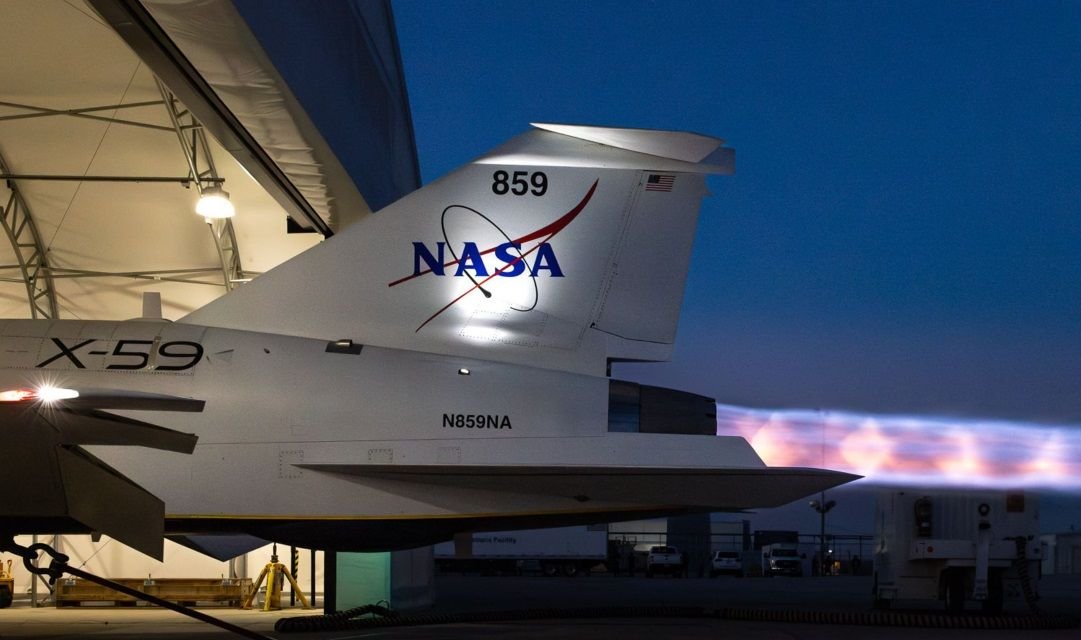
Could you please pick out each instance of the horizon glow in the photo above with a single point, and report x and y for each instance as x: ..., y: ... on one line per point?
x: 894, y: 450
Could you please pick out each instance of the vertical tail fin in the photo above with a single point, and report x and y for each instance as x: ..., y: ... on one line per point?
x: 563, y: 247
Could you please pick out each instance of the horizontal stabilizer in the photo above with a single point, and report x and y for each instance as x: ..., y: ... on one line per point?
x: 674, y: 145
x: 89, y: 427
x: 55, y: 485
x: 53, y: 488
x: 104, y: 501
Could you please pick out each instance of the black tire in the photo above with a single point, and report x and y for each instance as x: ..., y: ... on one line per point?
x: 550, y: 569
x: 570, y: 569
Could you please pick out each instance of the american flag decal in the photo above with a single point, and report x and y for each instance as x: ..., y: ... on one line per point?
x: 660, y: 182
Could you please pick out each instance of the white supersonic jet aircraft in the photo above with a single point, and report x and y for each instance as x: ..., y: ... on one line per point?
x: 441, y: 366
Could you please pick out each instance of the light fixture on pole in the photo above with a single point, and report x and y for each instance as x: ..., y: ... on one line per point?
x: 823, y: 507
x: 214, y: 203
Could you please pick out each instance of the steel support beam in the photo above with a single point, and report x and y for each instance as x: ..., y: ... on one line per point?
x: 42, y: 112
x: 193, y: 142
x: 184, y: 180
x: 228, y: 252
x: 30, y: 252
x: 138, y: 29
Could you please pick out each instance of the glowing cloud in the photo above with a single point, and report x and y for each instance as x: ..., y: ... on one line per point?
x: 913, y: 450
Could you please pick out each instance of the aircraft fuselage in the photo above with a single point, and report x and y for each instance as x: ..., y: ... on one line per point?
x: 341, y: 445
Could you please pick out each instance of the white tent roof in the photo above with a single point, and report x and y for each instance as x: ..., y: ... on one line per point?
x: 273, y: 160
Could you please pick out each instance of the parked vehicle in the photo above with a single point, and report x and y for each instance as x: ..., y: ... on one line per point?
x: 568, y: 551
x: 726, y: 563
x: 664, y: 559
x: 781, y: 559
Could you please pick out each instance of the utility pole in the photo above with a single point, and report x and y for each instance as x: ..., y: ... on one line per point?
x: 822, y: 507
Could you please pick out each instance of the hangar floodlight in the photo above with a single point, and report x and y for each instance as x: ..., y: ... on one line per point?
x: 214, y: 204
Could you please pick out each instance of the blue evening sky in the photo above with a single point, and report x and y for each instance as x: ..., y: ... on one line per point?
x: 903, y: 231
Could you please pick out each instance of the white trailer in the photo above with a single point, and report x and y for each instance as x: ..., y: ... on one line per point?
x: 568, y: 551
x: 956, y: 546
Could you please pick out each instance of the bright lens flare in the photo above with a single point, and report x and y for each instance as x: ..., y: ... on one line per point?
x: 913, y: 450
x: 45, y: 393
x: 52, y: 394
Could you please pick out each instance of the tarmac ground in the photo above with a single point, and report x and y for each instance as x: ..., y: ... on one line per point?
x: 466, y: 595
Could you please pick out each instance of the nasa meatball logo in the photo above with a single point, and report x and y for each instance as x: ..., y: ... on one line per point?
x: 485, y: 262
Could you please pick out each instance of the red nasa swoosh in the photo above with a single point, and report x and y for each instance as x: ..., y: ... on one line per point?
x: 546, y: 232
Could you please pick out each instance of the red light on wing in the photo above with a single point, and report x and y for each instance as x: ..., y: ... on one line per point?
x: 17, y: 395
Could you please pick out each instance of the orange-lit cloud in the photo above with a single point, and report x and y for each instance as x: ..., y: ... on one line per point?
x: 906, y: 450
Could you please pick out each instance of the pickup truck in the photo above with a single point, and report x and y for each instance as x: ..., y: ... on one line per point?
x: 664, y: 559
x: 781, y: 559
